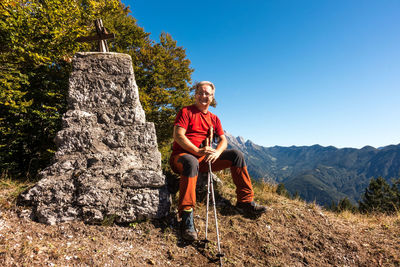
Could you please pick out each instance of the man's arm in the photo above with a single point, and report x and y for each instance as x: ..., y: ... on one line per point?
x: 184, y: 142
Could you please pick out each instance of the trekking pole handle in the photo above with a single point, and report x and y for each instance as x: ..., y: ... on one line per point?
x: 211, y: 136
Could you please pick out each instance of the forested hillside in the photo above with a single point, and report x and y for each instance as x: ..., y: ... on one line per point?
x: 324, y: 174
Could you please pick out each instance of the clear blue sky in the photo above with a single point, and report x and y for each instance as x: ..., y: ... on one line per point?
x: 292, y: 72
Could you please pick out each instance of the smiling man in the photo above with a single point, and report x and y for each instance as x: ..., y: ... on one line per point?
x: 190, y: 155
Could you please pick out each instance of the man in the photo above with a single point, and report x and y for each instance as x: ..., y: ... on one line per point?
x: 191, y: 128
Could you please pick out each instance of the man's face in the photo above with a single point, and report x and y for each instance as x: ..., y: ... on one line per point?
x: 204, y: 95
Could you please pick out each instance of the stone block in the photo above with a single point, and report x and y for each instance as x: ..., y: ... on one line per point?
x: 107, y: 163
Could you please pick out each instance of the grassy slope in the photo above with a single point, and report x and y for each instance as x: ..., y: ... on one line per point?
x: 292, y: 233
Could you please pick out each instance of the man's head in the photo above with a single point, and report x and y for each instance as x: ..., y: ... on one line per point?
x: 199, y: 84
x: 204, y: 94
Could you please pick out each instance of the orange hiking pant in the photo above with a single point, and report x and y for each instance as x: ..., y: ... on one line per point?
x: 188, y: 167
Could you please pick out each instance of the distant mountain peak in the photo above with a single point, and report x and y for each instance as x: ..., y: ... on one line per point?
x: 324, y: 174
x: 249, y: 142
x: 237, y: 142
x: 241, y: 140
x: 368, y: 148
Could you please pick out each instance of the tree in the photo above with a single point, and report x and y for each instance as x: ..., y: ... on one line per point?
x: 281, y: 190
x: 380, y: 197
x: 296, y: 195
x: 344, y: 205
x: 396, y: 192
x: 37, y: 41
x: 35, y: 35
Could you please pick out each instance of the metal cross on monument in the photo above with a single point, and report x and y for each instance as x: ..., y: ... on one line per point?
x: 101, y: 36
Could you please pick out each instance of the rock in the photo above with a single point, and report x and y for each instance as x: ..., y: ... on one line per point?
x: 107, y: 162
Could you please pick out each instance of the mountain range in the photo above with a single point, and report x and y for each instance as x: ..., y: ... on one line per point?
x: 317, y: 173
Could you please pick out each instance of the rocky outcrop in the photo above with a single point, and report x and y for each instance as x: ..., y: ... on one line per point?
x: 107, y: 164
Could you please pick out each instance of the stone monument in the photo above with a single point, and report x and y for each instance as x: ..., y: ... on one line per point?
x: 107, y: 164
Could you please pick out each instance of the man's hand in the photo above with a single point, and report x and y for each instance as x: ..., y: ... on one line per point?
x: 215, y: 153
x: 205, y: 151
x: 213, y: 157
x: 211, y: 154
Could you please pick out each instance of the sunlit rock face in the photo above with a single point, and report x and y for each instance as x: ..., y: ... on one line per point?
x: 107, y: 164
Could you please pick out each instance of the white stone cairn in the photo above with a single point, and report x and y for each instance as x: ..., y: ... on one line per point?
x: 107, y: 163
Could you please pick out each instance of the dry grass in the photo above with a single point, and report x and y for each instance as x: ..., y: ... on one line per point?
x: 10, y: 189
x: 292, y: 233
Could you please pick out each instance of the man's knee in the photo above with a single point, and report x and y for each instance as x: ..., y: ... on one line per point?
x: 190, y: 165
x: 234, y: 155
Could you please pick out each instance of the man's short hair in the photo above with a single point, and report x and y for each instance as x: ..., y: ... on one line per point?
x: 197, y: 85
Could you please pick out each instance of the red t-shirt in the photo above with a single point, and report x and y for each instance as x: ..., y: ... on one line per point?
x: 197, y: 125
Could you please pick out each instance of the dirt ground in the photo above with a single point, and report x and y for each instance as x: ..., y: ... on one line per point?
x: 291, y: 233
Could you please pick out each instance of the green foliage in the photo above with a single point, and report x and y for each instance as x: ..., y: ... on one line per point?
x: 310, y: 187
x: 380, y: 197
x: 109, y: 220
x: 343, y: 205
x: 34, y: 38
x: 281, y: 190
x: 37, y: 41
x: 296, y: 195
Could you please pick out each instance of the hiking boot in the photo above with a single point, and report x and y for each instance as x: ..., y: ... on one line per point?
x: 188, y: 231
x: 251, y: 208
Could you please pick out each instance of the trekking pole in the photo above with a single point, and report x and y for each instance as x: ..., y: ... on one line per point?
x: 219, y: 255
x: 208, y: 143
x: 208, y: 203
x: 210, y: 185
